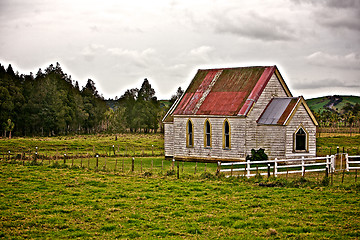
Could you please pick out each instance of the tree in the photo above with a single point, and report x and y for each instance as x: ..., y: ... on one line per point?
x: 9, y: 127
x: 146, y: 92
x: 177, y: 95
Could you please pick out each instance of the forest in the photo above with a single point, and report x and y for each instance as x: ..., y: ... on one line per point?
x: 51, y: 103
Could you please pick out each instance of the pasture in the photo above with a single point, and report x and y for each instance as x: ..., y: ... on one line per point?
x: 47, y: 199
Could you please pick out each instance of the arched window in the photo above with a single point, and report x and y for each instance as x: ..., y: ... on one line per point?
x: 189, y: 134
x: 226, y: 135
x: 207, y: 134
x: 300, y: 139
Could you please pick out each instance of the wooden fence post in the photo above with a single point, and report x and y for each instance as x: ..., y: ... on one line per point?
x: 268, y: 170
x: 231, y: 171
x: 275, y: 167
x: 218, y: 168
x: 140, y: 165
x: 97, y: 161
x: 248, y: 168
x: 355, y: 175
x: 132, y: 164
x: 64, y: 158
x: 178, y: 175
x: 302, y: 166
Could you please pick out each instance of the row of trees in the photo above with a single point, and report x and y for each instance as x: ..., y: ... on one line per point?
x: 51, y: 103
x: 48, y: 103
x: 349, y: 116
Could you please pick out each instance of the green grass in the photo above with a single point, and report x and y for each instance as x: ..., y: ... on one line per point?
x: 60, y: 203
x: 328, y: 145
x: 126, y: 144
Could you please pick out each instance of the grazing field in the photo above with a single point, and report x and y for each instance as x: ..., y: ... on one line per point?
x: 42, y: 202
x: 83, y: 145
x: 84, y: 196
x: 328, y: 145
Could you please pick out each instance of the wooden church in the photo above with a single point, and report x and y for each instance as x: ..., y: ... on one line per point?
x: 224, y: 113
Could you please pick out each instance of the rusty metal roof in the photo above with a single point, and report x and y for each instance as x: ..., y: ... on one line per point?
x: 225, y: 91
x: 278, y: 111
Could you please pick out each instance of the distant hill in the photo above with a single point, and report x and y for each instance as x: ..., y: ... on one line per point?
x: 333, y: 103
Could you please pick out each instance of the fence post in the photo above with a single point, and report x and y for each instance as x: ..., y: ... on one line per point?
x: 178, y: 174
x: 97, y: 161
x: 64, y: 157
x: 347, y: 161
x: 275, y: 167
x: 268, y: 170
x: 114, y: 149
x: 218, y: 168
x: 302, y: 166
x: 248, y: 168
x: 232, y: 166
x: 140, y: 165
x: 132, y: 164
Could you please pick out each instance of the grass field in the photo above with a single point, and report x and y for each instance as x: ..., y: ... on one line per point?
x: 48, y: 199
x: 82, y: 145
x: 42, y: 202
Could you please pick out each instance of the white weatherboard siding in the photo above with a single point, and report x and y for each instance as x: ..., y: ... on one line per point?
x: 257, y: 136
x: 169, y: 139
x: 300, y: 117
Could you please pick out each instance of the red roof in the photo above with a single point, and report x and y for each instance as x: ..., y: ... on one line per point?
x: 226, y: 91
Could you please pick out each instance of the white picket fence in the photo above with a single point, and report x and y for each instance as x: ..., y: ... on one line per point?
x: 277, y: 167
x: 352, y: 165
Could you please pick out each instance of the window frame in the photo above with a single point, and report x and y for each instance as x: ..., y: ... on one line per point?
x: 295, y: 139
x: 189, y: 135
x: 207, y: 134
x: 226, y: 135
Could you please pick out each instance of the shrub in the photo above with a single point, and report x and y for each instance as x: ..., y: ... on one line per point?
x: 257, y: 155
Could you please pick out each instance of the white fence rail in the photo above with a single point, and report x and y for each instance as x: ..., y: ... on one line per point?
x: 278, y: 167
x: 352, y: 165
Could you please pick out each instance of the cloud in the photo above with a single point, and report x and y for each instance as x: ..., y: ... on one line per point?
x: 328, y: 83
x: 90, y: 51
x: 142, y: 59
x: 349, y: 61
x: 254, y: 26
x: 335, y: 14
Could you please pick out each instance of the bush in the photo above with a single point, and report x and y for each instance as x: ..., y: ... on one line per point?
x: 257, y: 155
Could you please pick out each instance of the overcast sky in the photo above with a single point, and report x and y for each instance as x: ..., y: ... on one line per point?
x: 314, y: 43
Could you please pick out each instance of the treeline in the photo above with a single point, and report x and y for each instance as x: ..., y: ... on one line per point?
x: 348, y: 116
x: 51, y: 103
